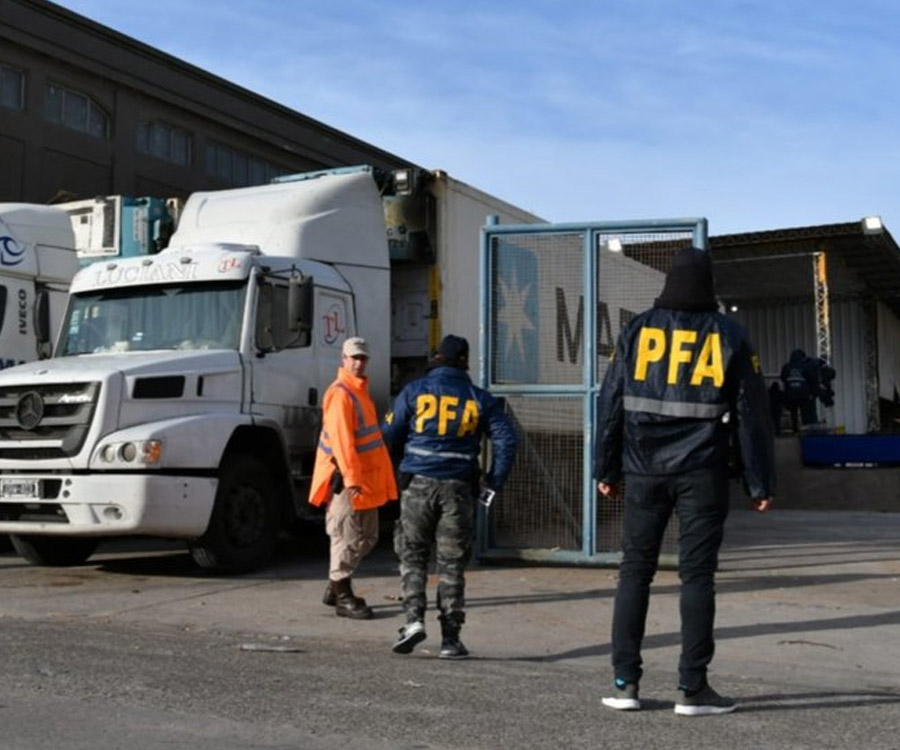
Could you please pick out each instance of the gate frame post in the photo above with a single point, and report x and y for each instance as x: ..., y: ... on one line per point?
x: 590, y: 386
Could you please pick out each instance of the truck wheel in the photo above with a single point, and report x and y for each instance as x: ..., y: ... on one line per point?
x: 244, y: 525
x: 54, y: 551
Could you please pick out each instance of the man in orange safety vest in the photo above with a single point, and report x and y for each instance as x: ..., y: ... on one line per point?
x: 353, y: 476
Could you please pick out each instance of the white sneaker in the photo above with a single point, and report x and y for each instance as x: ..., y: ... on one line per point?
x: 411, y: 634
x: 625, y: 698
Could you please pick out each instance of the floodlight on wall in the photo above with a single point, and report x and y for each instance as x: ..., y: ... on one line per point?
x: 872, y: 225
x: 614, y: 245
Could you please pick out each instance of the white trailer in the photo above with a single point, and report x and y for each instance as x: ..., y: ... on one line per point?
x: 437, y: 292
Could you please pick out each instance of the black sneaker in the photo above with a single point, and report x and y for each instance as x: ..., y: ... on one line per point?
x: 410, y: 635
x: 704, y: 702
x: 625, y: 698
x: 452, y: 648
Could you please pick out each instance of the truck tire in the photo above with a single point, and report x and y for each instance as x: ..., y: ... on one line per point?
x: 54, y: 551
x: 244, y: 526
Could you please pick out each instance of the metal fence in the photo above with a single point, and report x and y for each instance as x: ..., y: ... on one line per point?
x: 553, y: 300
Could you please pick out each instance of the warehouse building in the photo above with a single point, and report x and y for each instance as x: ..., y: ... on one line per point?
x: 86, y: 111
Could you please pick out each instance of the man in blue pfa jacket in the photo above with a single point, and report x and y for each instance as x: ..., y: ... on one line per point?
x: 684, y: 384
x: 438, y: 422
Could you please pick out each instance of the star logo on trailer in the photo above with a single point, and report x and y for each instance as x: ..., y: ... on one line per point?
x: 517, y: 320
x: 513, y: 314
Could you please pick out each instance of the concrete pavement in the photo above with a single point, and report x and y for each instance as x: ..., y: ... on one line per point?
x: 141, y: 644
x: 810, y: 596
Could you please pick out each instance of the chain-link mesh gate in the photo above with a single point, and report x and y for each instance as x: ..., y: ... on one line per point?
x: 553, y: 300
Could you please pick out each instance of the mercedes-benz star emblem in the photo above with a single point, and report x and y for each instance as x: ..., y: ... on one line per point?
x: 29, y: 410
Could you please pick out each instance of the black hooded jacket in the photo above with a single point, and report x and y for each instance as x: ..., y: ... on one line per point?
x: 683, y: 382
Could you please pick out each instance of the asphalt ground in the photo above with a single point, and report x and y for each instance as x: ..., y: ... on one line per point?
x: 140, y: 643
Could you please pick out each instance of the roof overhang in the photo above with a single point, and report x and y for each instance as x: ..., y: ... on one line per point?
x: 757, y: 268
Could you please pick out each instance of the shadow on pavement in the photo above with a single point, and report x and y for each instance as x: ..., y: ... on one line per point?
x: 666, y: 640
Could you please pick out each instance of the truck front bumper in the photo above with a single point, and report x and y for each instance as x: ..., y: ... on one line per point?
x: 106, y: 504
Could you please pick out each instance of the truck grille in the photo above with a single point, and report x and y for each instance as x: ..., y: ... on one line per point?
x: 45, y: 421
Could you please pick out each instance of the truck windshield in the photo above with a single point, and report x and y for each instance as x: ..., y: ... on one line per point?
x: 198, y: 316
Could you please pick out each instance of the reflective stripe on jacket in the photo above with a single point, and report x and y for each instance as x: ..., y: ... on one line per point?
x: 681, y: 386
x: 351, y: 441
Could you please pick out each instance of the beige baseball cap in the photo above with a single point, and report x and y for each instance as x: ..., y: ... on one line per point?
x: 355, y: 347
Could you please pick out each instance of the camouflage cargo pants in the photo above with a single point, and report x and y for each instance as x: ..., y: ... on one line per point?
x: 435, y: 514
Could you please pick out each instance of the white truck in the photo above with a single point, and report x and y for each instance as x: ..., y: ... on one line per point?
x: 183, y: 397
x: 37, y: 262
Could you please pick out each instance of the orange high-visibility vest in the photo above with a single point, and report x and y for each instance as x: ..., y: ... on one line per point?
x: 351, y: 438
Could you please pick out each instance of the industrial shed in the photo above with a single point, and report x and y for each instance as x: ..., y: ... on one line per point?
x: 768, y: 280
x: 831, y: 290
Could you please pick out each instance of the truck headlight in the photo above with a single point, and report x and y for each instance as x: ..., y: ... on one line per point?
x: 137, y: 452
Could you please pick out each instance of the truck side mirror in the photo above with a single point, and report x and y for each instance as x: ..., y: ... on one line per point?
x: 300, y: 304
x: 41, y: 323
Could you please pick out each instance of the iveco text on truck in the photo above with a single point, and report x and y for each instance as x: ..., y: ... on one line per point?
x: 37, y: 262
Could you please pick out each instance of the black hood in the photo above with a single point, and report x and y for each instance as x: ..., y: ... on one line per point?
x: 689, y: 283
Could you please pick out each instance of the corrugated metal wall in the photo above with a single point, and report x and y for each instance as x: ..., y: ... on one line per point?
x: 776, y: 330
x: 888, y: 353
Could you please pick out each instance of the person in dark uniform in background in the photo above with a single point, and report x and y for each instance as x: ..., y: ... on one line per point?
x: 825, y: 375
x: 438, y: 422
x: 683, y: 384
x: 800, y: 380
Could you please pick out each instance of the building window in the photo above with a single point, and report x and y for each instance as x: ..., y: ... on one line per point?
x: 239, y: 168
x: 165, y: 142
x: 75, y: 111
x: 12, y: 88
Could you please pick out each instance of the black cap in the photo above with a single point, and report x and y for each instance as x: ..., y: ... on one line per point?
x: 453, y: 351
x: 689, y: 282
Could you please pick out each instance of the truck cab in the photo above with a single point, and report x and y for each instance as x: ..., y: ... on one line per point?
x: 182, y: 400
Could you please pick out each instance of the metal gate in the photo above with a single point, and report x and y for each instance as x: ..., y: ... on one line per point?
x: 553, y: 300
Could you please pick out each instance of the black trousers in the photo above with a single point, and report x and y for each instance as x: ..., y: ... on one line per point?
x: 700, y: 498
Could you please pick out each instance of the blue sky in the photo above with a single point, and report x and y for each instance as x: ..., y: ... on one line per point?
x: 756, y: 114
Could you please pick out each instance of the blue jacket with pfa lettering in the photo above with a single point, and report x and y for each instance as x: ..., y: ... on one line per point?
x: 681, y: 388
x: 438, y: 422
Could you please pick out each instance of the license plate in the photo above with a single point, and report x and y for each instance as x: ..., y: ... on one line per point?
x: 19, y: 488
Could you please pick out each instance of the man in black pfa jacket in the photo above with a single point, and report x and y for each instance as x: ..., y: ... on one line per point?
x: 683, y: 385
